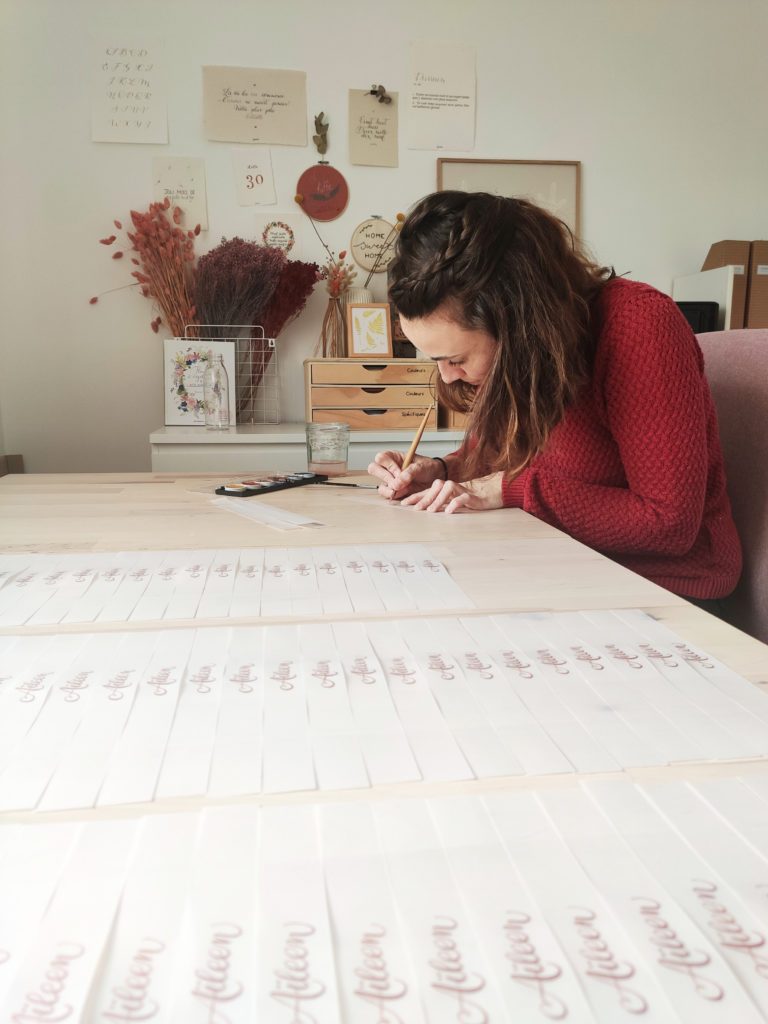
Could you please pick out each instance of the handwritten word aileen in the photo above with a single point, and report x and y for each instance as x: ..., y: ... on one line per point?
x: 374, y: 985
x: 45, y: 1003
x: 452, y: 978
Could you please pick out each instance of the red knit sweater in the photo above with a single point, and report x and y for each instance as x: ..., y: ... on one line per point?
x: 635, y: 469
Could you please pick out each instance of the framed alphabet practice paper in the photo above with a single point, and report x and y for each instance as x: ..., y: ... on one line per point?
x: 553, y: 184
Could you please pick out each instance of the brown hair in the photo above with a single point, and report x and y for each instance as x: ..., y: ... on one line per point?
x: 510, y: 269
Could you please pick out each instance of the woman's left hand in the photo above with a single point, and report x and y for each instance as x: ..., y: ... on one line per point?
x: 449, y: 496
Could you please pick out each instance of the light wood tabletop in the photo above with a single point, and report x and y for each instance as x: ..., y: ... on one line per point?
x: 505, y: 560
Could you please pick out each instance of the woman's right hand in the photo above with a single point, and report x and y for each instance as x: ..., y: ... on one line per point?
x: 397, y: 482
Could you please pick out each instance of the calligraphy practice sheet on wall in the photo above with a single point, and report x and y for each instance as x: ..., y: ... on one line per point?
x: 255, y: 582
x: 598, y: 902
x: 102, y: 719
x: 128, y: 101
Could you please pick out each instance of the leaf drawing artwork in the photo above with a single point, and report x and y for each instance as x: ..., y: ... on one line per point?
x: 369, y: 330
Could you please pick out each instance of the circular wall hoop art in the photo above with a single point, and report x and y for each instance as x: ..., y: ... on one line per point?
x: 368, y: 241
x: 324, y: 192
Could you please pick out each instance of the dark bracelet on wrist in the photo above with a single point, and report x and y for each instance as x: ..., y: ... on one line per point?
x: 444, y: 464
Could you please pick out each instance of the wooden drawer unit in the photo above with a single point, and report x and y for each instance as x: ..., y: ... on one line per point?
x: 387, y: 394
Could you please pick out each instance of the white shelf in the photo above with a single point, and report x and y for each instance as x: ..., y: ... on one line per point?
x: 280, y: 446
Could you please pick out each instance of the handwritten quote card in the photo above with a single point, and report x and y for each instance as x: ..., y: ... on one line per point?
x: 128, y: 101
x: 181, y: 180
x: 598, y: 902
x: 372, y: 129
x: 259, y: 105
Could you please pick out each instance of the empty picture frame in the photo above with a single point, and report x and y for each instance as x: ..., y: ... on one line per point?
x: 553, y: 184
x: 369, y: 330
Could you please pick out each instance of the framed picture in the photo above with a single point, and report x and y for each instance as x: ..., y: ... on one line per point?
x: 369, y: 330
x: 553, y: 184
x: 185, y: 360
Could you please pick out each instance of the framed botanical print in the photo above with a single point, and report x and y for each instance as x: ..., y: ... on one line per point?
x: 369, y: 330
x: 554, y: 185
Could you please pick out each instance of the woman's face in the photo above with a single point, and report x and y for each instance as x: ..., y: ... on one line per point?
x: 460, y: 353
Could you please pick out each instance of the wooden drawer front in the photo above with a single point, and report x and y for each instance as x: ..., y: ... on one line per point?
x: 382, y: 397
x: 375, y: 419
x: 350, y: 372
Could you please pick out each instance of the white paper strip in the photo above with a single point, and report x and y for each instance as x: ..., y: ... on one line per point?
x: 453, y: 979
x: 236, y: 760
x: 709, y: 900
x: 186, y: 764
x: 614, y: 974
x: 374, y: 971
x: 288, y: 763
x: 215, y: 961
x: 296, y: 969
x: 387, y: 752
x: 687, y: 965
x: 534, y: 975
x: 31, y: 862
x: 336, y: 749
x: 57, y: 973
x: 138, y: 754
x: 84, y: 763
x: 136, y: 979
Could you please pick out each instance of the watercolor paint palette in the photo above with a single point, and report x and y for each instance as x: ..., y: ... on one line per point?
x: 269, y: 482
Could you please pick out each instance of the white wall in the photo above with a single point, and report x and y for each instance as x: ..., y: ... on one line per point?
x: 662, y: 101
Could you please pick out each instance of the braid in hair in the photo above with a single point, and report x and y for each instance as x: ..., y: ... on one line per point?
x: 507, y: 268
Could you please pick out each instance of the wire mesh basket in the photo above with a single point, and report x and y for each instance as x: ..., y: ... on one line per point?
x: 257, y: 383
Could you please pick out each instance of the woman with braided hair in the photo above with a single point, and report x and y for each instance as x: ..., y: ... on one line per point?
x: 585, y: 392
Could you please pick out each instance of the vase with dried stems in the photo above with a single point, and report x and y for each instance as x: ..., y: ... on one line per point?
x: 338, y: 276
x: 165, y: 258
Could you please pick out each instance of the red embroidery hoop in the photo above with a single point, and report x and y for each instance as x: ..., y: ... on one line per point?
x: 325, y: 192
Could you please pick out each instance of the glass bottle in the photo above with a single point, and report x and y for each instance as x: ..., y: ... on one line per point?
x: 216, y: 394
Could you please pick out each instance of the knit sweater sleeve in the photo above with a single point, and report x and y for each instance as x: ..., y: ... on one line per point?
x: 626, y: 470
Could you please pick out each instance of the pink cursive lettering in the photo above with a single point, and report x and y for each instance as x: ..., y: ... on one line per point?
x: 117, y: 683
x: 213, y: 985
x: 131, y: 1001
x: 293, y: 981
x: 45, y: 1004
x: 283, y: 675
x: 527, y: 967
x: 729, y: 931
x: 673, y: 953
x: 452, y: 978
x: 374, y: 984
x: 602, y: 964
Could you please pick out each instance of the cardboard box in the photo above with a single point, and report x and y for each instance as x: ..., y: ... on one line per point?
x: 735, y: 254
x: 757, y: 286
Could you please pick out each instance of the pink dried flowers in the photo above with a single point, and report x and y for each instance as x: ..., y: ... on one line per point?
x: 165, y: 261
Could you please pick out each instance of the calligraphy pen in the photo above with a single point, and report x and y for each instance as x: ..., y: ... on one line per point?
x: 415, y: 443
x: 406, y: 461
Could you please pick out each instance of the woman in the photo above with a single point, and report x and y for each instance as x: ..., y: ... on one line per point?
x: 586, y: 396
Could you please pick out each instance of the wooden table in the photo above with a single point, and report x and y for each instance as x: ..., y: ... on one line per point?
x: 505, y: 560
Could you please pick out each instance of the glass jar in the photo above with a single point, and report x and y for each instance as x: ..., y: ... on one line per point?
x: 216, y: 394
x: 327, y: 448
